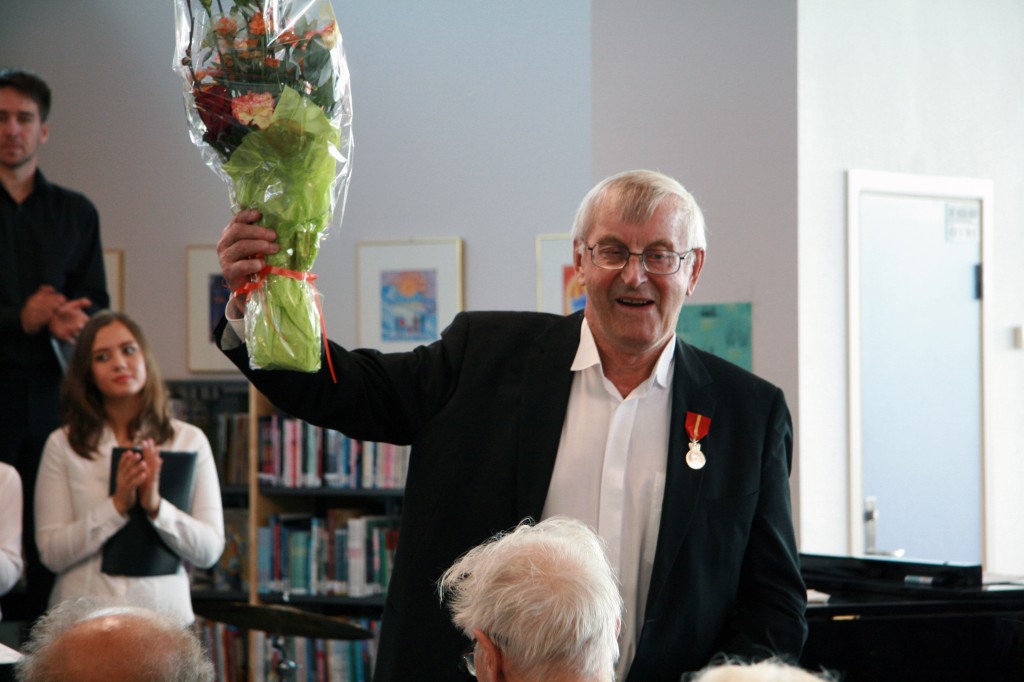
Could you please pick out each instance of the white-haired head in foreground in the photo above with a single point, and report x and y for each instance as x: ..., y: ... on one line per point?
x: 88, y: 640
x: 542, y: 598
x: 763, y: 671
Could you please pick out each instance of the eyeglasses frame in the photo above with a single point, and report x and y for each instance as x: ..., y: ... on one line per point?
x: 640, y: 257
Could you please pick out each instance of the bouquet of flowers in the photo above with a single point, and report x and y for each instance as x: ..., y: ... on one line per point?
x: 268, y: 104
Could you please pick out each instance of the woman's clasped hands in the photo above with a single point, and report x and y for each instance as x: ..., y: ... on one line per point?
x: 138, y: 479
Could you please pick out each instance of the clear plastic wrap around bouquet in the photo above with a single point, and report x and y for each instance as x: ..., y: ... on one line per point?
x: 268, y: 104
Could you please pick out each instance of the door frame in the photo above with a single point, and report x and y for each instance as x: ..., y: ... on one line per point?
x: 858, y: 182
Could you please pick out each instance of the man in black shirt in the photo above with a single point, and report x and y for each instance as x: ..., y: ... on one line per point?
x: 51, y: 278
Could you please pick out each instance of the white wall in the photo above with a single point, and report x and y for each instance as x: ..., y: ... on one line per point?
x: 923, y: 87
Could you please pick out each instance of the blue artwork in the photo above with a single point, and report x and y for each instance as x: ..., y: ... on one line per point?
x: 721, y: 328
x: 408, y: 305
x: 219, y: 295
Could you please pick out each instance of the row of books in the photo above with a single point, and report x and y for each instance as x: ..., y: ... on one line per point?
x: 230, y: 443
x: 296, y: 659
x: 220, y: 409
x: 226, y: 645
x: 317, y: 660
x: 345, y: 553
x: 296, y: 454
x: 231, y: 572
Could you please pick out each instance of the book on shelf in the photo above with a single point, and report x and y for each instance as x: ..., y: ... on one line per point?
x: 346, y: 553
x: 220, y: 409
x: 231, y: 572
x: 226, y: 646
x: 320, y: 660
x: 296, y: 454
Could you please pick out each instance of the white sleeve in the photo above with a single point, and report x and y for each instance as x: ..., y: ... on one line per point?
x: 64, y: 540
x: 10, y: 527
x: 196, y: 536
x: 234, y: 331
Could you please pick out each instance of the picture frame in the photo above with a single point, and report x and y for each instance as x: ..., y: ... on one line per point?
x: 408, y: 291
x: 207, y: 295
x: 558, y: 290
x: 113, y: 265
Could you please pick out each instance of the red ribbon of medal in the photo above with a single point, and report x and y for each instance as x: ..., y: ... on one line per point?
x: 697, y: 426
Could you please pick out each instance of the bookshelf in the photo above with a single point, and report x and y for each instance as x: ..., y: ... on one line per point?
x: 317, y: 486
x: 323, y: 523
x: 221, y: 409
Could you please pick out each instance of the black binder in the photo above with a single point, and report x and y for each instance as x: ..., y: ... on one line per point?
x: 137, y: 549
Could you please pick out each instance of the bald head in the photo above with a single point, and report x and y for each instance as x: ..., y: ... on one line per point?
x: 113, y: 644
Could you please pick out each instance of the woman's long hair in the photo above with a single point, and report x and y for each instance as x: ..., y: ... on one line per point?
x: 82, y: 404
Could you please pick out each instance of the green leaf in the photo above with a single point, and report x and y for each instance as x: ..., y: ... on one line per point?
x: 287, y: 172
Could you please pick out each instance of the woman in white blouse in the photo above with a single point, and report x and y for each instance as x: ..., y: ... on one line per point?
x: 113, y: 396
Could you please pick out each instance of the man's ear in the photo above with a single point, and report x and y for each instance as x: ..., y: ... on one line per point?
x: 490, y: 665
x: 577, y: 260
x: 695, y: 268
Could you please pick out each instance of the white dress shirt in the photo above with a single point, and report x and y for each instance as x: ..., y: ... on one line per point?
x: 610, y: 473
x: 10, y: 528
x: 75, y: 516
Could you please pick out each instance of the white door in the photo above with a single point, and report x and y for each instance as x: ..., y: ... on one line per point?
x: 919, y: 347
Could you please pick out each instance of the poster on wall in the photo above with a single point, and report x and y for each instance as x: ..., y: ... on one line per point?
x: 722, y: 329
x: 207, y: 297
x: 408, y: 291
x: 558, y: 290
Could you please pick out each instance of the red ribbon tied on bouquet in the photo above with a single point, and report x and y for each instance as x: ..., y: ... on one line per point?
x: 697, y: 426
x: 259, y: 278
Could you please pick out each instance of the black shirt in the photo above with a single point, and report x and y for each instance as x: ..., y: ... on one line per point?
x: 53, y: 237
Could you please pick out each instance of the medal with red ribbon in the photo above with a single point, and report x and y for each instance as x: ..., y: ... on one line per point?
x: 697, y: 426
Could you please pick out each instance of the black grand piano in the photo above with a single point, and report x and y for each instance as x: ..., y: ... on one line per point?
x: 891, y: 619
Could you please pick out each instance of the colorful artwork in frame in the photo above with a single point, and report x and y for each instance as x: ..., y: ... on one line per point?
x: 558, y: 289
x: 408, y: 300
x: 207, y: 298
x: 408, y: 291
x: 723, y: 329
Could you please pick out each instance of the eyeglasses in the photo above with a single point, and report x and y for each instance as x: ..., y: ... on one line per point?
x: 468, y: 660
x: 655, y: 261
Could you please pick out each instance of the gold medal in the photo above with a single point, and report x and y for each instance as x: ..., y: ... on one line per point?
x: 694, y: 457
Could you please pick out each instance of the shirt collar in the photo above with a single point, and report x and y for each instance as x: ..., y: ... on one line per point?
x: 587, y: 356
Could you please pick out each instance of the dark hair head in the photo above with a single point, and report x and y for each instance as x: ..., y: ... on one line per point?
x: 29, y: 85
x: 82, y: 404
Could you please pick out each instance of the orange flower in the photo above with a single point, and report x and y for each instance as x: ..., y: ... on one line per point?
x: 330, y: 35
x: 226, y: 27
x: 272, y: 62
x: 287, y: 37
x: 257, y: 25
x: 256, y: 108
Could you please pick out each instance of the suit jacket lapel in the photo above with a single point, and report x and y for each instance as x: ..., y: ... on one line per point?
x: 682, y: 484
x: 545, y: 397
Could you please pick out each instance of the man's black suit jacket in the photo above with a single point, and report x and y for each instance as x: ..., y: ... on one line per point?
x: 483, y: 409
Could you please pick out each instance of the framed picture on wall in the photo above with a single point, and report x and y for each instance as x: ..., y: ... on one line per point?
x: 407, y: 291
x: 113, y: 264
x: 558, y: 290
x: 207, y: 296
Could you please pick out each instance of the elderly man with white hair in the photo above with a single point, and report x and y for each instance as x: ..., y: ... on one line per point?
x: 86, y: 640
x: 539, y: 602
